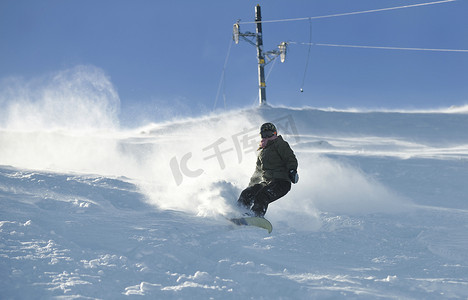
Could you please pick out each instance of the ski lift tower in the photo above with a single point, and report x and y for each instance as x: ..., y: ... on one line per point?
x: 261, y: 56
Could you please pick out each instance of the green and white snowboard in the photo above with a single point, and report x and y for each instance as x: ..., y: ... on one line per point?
x: 253, y: 221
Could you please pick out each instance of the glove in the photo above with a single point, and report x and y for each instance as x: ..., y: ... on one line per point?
x: 293, y: 176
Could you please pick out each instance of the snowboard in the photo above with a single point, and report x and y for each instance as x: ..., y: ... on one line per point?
x: 253, y: 221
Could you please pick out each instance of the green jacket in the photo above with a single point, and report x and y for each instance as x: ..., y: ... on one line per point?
x: 274, y: 162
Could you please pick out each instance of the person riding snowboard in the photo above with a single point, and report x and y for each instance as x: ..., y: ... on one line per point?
x: 276, y: 169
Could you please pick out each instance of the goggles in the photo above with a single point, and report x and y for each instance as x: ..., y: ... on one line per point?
x: 267, y: 134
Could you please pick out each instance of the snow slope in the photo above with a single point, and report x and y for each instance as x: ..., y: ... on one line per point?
x: 100, y: 212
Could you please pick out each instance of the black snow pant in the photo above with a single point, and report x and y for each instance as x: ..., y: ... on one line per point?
x: 258, y: 196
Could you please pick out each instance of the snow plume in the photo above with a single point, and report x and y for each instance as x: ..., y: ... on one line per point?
x: 344, y: 189
x: 81, y: 98
x: 332, y: 186
x: 64, y: 121
x: 200, y: 165
x: 453, y: 109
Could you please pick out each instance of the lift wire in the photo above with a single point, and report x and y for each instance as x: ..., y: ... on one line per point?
x: 222, y: 79
x: 271, y: 69
x: 382, y: 47
x: 394, y: 48
x: 351, y: 13
x: 308, y: 55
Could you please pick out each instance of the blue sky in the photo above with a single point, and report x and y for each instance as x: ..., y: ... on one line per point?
x: 172, y: 53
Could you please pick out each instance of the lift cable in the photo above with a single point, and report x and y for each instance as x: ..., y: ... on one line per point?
x: 308, y: 55
x: 223, y: 78
x: 381, y: 47
x: 351, y: 13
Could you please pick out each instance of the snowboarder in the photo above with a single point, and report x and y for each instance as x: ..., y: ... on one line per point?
x: 275, y: 170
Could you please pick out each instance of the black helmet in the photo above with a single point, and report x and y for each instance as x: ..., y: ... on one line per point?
x: 268, y: 129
